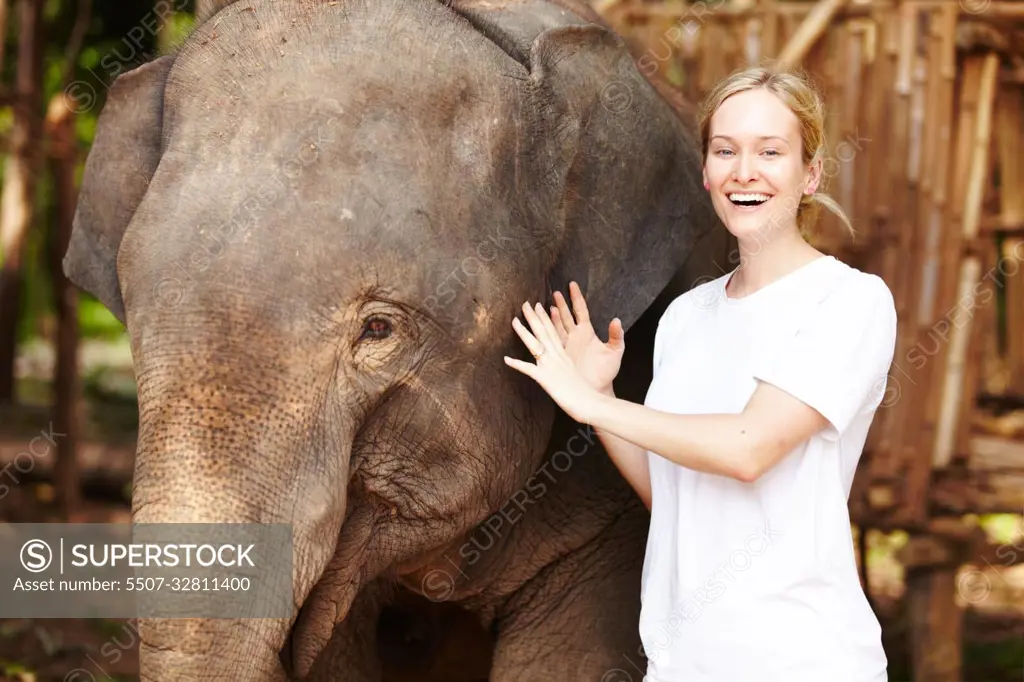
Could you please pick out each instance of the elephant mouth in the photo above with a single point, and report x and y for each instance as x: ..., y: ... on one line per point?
x: 421, y: 562
x: 330, y: 600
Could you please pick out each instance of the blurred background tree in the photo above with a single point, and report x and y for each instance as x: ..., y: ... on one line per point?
x: 79, y: 47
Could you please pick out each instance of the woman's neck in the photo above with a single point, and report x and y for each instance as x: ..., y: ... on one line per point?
x: 763, y: 261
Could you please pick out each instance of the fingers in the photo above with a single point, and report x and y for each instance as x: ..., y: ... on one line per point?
x: 548, y: 326
x: 556, y: 320
x: 553, y: 331
x: 541, y: 326
x: 563, y: 312
x: 533, y: 344
x: 616, y: 335
x: 526, y: 368
x: 579, y: 305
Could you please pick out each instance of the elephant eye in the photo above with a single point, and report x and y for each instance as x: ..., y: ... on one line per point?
x: 376, y: 328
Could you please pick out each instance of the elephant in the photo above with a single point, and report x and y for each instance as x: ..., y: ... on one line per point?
x: 316, y: 220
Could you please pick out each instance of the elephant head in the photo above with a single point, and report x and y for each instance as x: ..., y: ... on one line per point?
x: 317, y: 220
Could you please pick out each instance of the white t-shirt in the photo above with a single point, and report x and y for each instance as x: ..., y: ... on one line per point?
x: 746, y: 582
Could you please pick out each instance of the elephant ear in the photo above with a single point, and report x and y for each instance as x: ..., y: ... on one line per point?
x: 121, y: 162
x: 633, y: 203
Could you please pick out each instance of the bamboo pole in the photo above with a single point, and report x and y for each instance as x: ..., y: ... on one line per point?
x: 770, y: 28
x: 904, y: 441
x: 913, y: 246
x: 935, y: 144
x: 934, y: 304
x: 867, y: 49
x: 808, y: 33
x: 1010, y: 154
x: 980, y: 158
x: 1013, y: 248
x: 884, y: 463
x: 753, y: 39
x: 950, y: 265
x: 953, y: 385
x: 923, y: 80
x: 917, y: 119
x: 847, y: 154
x: 980, y: 319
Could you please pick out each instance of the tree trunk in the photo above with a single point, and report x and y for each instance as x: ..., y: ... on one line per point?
x: 19, y: 185
x: 60, y: 131
x: 3, y: 29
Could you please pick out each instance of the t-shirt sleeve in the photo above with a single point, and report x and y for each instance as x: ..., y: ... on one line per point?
x: 659, y: 340
x: 666, y: 329
x: 662, y: 332
x: 839, y: 357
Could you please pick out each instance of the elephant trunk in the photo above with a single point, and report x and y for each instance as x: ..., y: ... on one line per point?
x: 212, y: 455
x: 211, y: 649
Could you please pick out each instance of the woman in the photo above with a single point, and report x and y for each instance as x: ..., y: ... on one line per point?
x: 766, y: 381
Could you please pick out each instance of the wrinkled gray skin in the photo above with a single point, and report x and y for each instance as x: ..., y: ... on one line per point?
x: 317, y: 221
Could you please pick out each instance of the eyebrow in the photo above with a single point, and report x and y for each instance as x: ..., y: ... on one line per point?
x: 762, y: 137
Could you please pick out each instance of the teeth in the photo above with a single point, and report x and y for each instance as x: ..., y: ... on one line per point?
x: 760, y: 198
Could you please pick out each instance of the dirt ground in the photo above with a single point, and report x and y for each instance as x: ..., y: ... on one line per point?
x: 440, y: 643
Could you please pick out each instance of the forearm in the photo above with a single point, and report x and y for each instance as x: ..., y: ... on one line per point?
x: 630, y: 459
x: 720, y: 444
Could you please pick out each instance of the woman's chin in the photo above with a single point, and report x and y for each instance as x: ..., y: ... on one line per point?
x: 746, y: 225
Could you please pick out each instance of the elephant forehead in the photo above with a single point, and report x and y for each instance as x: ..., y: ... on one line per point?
x: 418, y: 58
x: 342, y: 119
x: 316, y: 146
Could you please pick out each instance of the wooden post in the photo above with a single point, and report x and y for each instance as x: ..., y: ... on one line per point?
x: 848, y: 154
x: 770, y: 28
x: 1010, y: 146
x: 901, y: 196
x: 934, y: 179
x: 936, y: 619
x: 937, y: 624
x: 863, y: 132
x: 927, y: 307
x: 813, y: 25
x: 953, y: 389
x: 880, y: 492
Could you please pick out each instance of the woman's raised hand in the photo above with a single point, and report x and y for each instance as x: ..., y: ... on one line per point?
x: 596, y: 360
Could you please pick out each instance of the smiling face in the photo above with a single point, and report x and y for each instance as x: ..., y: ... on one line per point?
x: 754, y: 167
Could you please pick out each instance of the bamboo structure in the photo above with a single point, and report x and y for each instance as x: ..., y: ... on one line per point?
x: 925, y: 120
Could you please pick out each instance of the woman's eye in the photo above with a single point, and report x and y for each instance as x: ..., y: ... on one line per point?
x: 771, y: 152
x: 376, y: 328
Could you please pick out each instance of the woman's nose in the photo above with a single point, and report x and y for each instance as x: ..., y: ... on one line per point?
x: 745, y: 170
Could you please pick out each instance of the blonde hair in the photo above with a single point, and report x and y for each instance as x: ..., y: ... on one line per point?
x: 797, y: 93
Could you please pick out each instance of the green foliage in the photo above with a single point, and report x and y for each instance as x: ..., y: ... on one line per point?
x: 997, y: 660
x: 95, y: 321
x: 13, y: 669
x: 179, y: 26
x: 1003, y: 529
